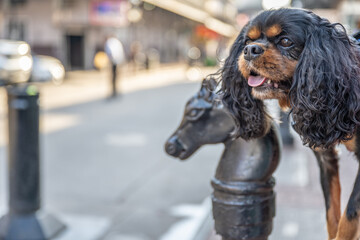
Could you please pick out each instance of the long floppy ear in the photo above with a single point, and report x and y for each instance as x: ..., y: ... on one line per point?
x: 250, y: 116
x: 325, y: 94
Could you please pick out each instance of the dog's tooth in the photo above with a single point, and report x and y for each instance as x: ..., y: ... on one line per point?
x: 269, y: 81
x: 276, y: 85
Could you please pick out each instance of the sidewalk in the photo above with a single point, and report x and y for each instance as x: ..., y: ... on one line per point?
x: 98, y: 83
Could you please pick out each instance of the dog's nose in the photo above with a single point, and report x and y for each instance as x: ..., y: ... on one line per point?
x: 252, y: 51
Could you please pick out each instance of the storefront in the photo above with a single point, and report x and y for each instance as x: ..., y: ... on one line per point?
x: 74, y: 30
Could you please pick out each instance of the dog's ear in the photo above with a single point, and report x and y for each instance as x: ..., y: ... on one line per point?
x: 250, y: 116
x: 325, y: 94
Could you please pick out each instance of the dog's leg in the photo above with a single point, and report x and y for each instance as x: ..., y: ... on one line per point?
x: 329, y: 176
x: 349, y: 228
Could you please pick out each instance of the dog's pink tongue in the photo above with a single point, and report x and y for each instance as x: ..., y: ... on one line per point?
x: 255, y: 81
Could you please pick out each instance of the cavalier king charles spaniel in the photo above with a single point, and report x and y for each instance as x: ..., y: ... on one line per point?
x: 313, y: 68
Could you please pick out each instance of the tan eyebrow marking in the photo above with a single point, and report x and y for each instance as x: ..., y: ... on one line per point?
x: 273, y: 31
x: 254, y: 33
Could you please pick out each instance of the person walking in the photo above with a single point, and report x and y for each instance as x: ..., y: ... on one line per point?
x: 115, y: 52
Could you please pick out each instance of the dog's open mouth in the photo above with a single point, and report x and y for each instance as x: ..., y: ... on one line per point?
x: 256, y: 80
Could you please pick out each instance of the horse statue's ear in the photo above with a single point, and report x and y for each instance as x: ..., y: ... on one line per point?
x: 208, y: 87
x: 210, y: 83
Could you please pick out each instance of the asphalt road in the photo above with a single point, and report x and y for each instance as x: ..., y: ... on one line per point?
x: 104, y: 170
x: 105, y: 173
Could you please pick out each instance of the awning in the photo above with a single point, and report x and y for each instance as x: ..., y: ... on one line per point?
x: 197, y: 15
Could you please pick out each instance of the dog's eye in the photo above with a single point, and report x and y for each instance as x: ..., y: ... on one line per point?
x: 285, y: 42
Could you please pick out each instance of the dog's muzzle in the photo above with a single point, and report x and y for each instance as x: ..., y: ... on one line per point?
x: 252, y: 51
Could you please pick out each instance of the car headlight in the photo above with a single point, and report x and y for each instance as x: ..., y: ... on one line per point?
x: 25, y: 63
x: 23, y: 49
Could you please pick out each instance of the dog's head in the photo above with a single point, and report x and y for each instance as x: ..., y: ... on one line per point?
x: 308, y: 64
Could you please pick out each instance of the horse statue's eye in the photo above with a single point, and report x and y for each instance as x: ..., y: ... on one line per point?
x: 193, y: 113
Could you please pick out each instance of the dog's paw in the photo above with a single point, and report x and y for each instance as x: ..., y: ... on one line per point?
x: 351, y: 212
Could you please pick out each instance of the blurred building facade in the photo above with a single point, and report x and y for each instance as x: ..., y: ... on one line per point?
x: 351, y: 14
x: 74, y: 30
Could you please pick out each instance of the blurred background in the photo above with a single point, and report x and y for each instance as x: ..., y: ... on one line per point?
x: 104, y: 172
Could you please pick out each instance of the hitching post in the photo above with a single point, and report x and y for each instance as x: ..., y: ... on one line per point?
x: 243, y: 197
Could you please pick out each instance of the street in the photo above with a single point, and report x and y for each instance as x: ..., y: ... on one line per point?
x: 105, y: 173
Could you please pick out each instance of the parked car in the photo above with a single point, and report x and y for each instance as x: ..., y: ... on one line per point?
x: 46, y: 68
x: 15, y: 62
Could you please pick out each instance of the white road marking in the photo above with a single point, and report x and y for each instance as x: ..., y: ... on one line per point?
x: 117, y: 236
x: 290, y: 229
x: 188, y: 229
x: 81, y: 227
x: 126, y: 140
x: 50, y: 122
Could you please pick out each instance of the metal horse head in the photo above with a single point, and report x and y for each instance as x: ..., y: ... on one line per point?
x: 205, y: 121
x: 243, y: 196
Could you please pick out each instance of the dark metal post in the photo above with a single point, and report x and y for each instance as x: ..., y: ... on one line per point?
x: 286, y: 136
x: 24, y: 219
x: 243, y: 197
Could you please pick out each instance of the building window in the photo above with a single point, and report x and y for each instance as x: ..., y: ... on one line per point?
x: 17, y: 2
x: 68, y: 4
x: 16, y: 30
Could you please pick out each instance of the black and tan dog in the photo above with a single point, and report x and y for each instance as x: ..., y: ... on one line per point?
x: 313, y: 68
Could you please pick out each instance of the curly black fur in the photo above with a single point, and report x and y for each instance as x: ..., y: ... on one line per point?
x: 325, y: 90
x: 325, y: 93
x: 249, y: 114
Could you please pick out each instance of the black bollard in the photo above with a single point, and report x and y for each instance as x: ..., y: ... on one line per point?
x: 243, y: 197
x: 25, y: 220
x: 287, y: 138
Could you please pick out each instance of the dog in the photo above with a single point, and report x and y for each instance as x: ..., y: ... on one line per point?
x: 312, y: 67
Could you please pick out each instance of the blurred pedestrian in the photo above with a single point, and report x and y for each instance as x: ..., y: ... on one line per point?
x: 115, y: 52
x: 135, y: 51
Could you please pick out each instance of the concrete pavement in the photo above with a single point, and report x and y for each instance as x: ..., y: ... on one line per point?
x: 106, y: 176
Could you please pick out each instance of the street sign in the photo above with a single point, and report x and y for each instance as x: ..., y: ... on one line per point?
x: 111, y: 13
